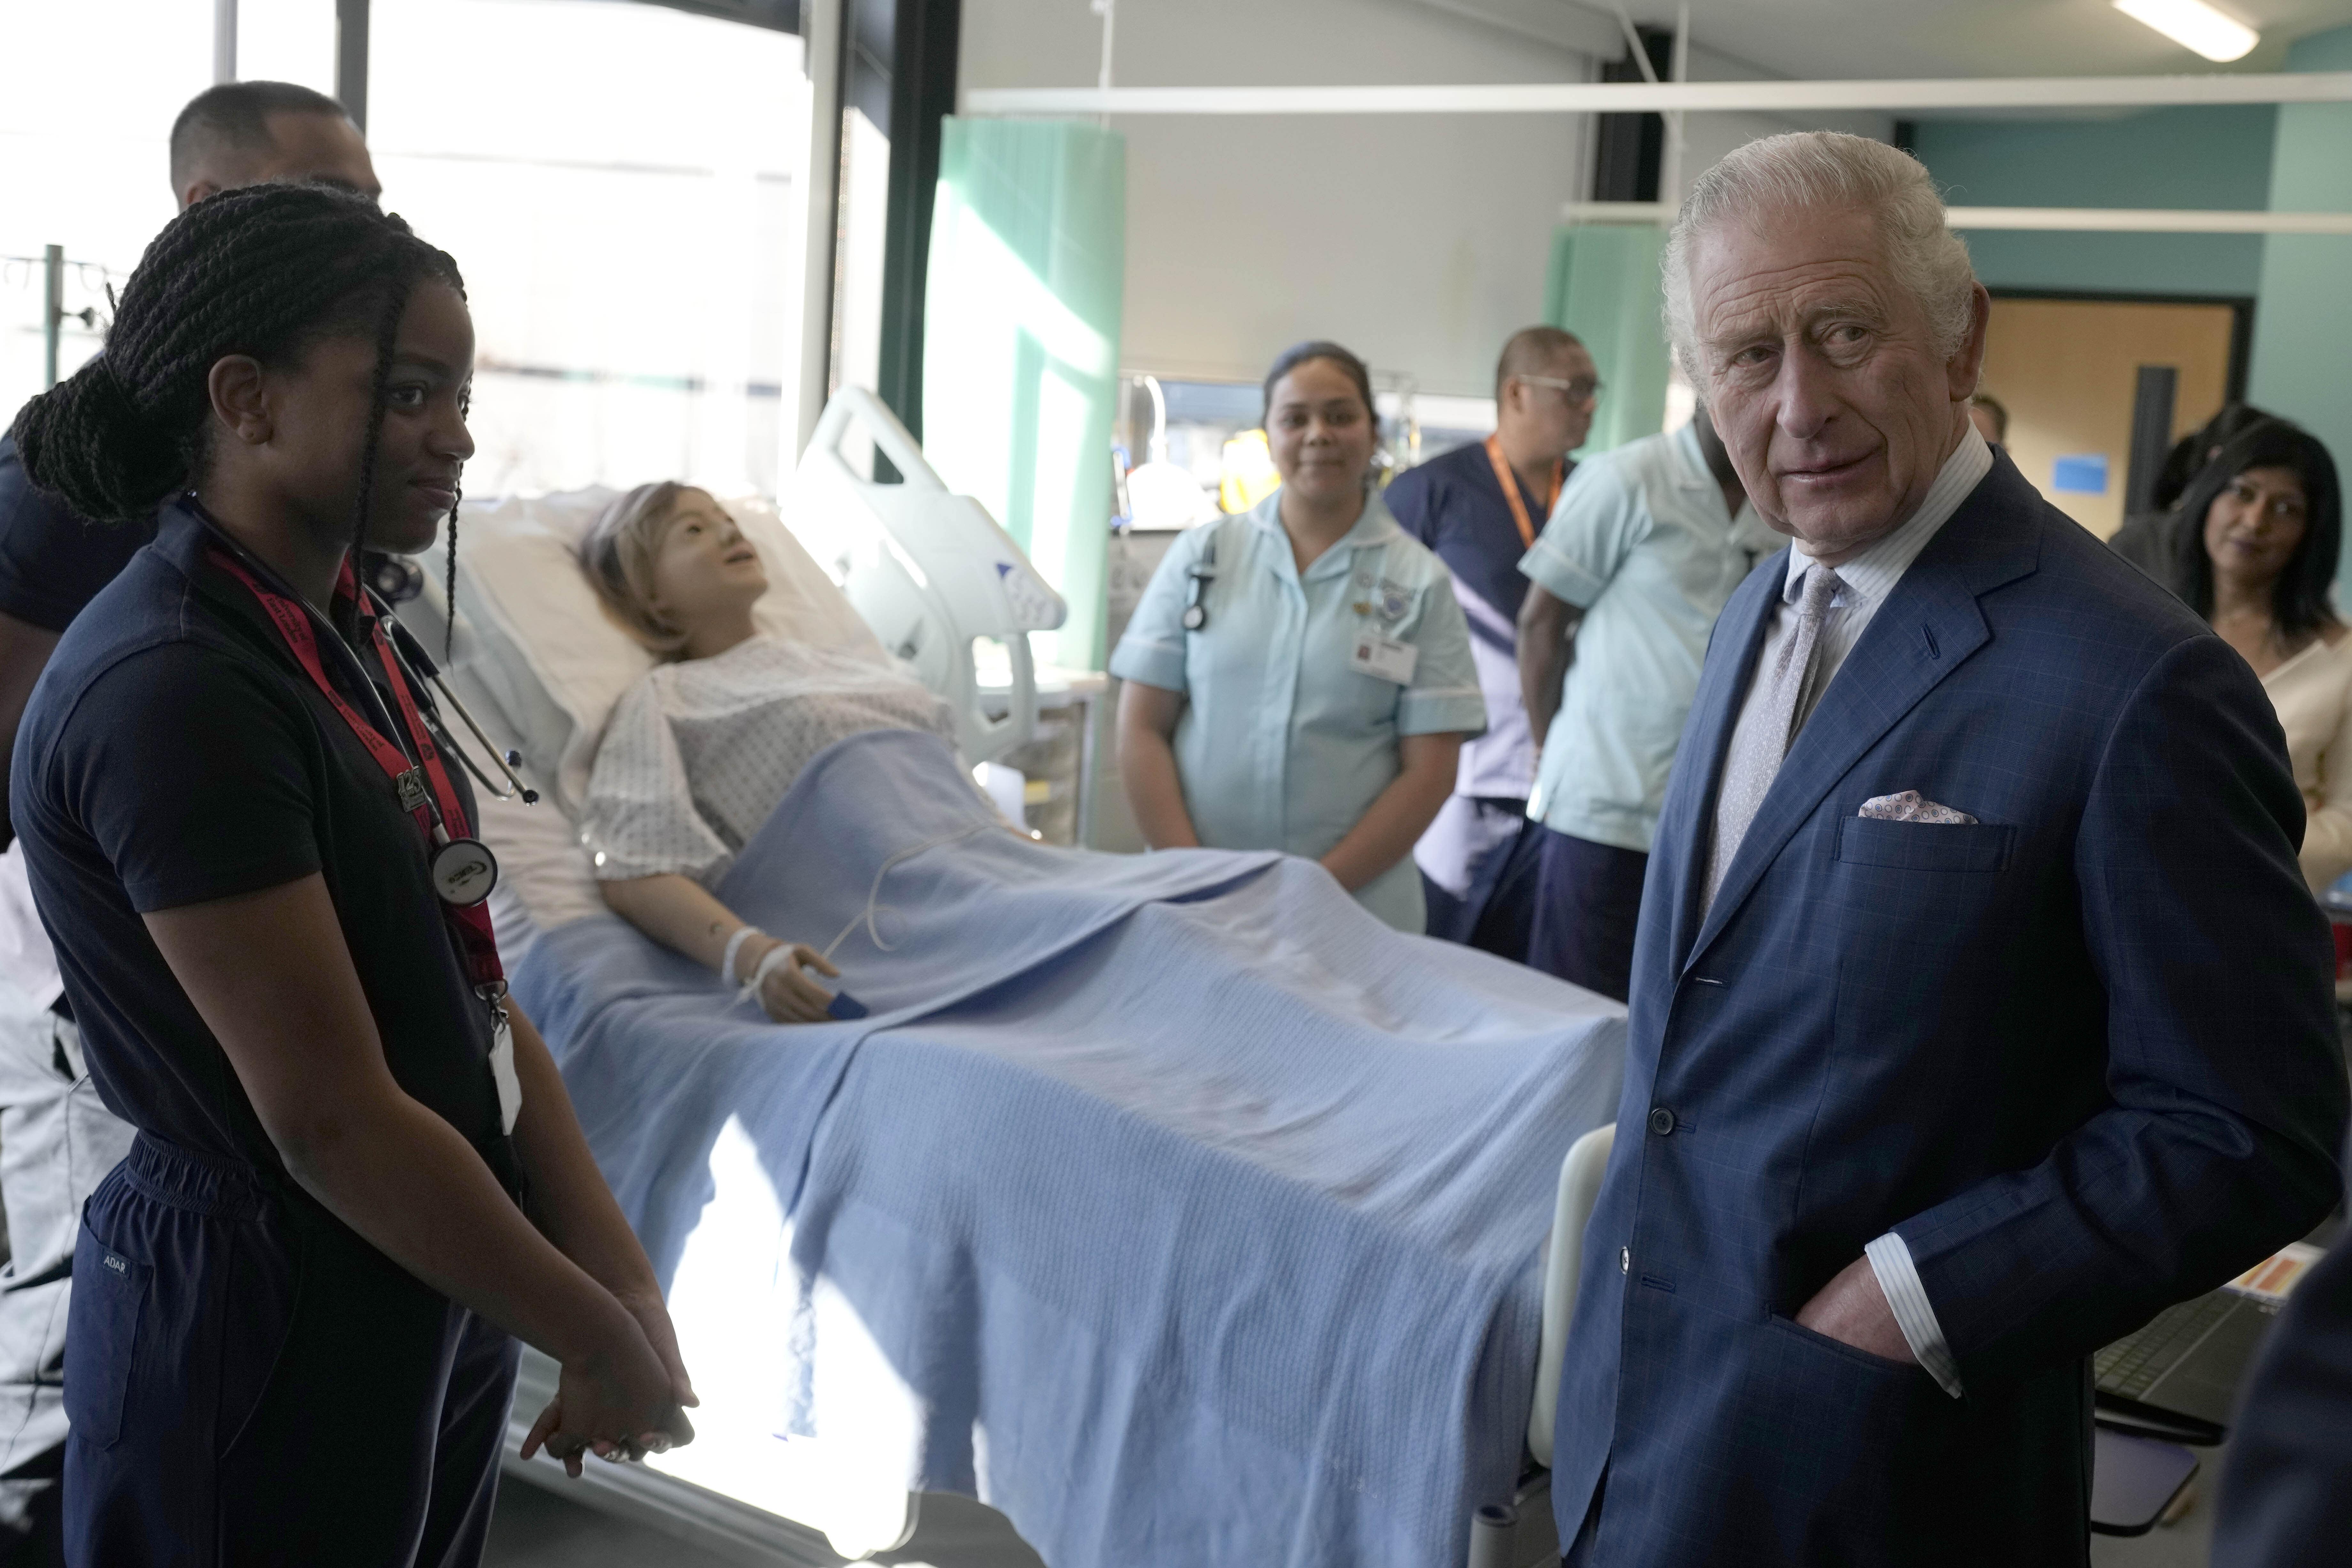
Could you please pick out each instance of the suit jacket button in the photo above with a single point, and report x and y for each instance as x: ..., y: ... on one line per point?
x: 1661, y: 1122
x: 1624, y: 1260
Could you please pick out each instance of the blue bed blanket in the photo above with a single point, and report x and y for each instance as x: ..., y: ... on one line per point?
x: 1200, y: 1213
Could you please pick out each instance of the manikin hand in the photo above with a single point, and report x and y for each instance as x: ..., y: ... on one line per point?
x: 788, y: 994
x: 1853, y: 1310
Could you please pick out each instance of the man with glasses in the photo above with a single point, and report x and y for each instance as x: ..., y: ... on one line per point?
x: 1479, y: 506
x: 1646, y: 546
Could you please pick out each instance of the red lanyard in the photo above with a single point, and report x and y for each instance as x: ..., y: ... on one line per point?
x: 1510, y: 484
x: 470, y: 922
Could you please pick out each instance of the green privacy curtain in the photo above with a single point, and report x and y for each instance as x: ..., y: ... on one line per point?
x: 1604, y: 287
x: 1021, y: 345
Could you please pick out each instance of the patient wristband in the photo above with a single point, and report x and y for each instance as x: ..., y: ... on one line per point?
x: 734, y: 949
x: 775, y: 958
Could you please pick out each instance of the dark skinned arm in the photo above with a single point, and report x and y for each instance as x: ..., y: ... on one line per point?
x: 270, y: 975
x: 574, y: 1209
x: 25, y: 650
x: 1547, y: 643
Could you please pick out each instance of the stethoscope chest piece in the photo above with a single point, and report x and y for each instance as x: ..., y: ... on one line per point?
x: 464, y: 872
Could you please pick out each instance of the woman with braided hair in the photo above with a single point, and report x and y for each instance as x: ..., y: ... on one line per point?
x: 357, y: 1173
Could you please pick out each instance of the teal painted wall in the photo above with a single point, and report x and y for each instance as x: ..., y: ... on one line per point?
x: 2302, y: 319
x: 2218, y: 157
x: 1604, y: 287
x: 1020, y: 346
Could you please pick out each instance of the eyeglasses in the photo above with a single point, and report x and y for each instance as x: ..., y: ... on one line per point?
x: 1584, y: 389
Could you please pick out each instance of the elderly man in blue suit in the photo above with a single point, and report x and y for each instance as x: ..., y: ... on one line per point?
x: 1978, y: 1010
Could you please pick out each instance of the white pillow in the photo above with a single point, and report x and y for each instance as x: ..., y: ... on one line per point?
x: 542, y: 663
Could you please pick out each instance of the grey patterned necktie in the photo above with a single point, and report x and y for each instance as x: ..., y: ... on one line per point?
x: 1756, y: 748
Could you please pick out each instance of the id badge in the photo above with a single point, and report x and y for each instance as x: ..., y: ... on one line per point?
x: 1385, y: 658
x: 502, y: 1070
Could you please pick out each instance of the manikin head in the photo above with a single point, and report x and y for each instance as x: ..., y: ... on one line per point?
x: 249, y: 132
x: 1833, y: 328
x: 673, y: 567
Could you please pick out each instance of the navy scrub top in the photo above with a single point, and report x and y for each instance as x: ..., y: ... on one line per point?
x: 173, y: 754
x: 52, y: 563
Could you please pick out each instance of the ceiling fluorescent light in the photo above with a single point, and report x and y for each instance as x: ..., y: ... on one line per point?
x: 2193, y: 25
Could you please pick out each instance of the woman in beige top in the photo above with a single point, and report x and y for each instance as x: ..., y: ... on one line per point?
x: 2260, y: 568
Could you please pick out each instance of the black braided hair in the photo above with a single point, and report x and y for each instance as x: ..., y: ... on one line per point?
x: 449, y: 586
x: 267, y: 270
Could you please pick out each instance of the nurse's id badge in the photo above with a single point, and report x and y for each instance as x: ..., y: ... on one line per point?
x: 1386, y: 658
x: 507, y: 1082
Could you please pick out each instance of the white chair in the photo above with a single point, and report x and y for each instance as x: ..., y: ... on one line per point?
x: 1579, y: 1188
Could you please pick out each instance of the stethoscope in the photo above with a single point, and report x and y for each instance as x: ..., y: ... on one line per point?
x: 415, y: 664
x: 464, y: 870
x: 1203, y: 572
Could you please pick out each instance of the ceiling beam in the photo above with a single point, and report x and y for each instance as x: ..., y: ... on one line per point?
x: 1627, y: 98
x: 1553, y: 22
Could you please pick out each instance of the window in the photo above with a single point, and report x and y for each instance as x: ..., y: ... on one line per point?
x: 620, y: 183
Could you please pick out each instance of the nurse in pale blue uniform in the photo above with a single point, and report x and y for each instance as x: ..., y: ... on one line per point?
x: 1298, y: 677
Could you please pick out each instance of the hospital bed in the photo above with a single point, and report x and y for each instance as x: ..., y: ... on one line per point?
x: 908, y: 572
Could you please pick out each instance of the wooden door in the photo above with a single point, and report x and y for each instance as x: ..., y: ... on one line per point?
x: 2066, y: 371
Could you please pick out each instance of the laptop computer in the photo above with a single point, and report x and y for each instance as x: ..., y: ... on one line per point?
x: 2182, y: 1370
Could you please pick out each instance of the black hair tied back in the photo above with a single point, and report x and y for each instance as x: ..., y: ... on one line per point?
x: 87, y: 439
x: 265, y: 271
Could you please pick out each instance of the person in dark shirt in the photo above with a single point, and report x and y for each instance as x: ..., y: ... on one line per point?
x: 357, y: 1176
x: 1480, y: 507
x: 2286, y: 1486
x: 60, y: 1139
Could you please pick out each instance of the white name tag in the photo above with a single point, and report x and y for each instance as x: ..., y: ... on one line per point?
x: 1387, y: 658
x: 502, y: 1070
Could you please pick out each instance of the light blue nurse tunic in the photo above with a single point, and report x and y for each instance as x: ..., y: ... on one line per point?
x: 1282, y: 745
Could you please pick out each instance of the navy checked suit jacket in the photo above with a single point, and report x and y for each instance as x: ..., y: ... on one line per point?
x: 2082, y: 1055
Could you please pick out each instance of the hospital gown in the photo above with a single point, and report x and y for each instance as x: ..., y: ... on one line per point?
x: 699, y: 753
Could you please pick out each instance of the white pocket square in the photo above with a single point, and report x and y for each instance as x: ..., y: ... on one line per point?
x: 1911, y: 807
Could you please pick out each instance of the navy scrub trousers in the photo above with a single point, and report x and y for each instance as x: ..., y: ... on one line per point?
x: 323, y: 1406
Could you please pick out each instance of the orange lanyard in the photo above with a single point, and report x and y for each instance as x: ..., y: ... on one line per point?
x: 1510, y: 483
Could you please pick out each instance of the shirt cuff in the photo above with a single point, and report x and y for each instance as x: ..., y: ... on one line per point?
x: 1549, y: 568
x: 1441, y: 710
x: 1890, y: 1259
x: 1149, y: 660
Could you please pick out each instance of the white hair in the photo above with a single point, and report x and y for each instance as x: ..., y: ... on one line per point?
x: 1828, y: 170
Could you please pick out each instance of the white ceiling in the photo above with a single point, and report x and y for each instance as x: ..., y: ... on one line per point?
x: 1880, y: 39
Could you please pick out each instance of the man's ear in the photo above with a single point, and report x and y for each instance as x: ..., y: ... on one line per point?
x: 196, y: 190
x: 239, y: 393
x: 1966, y: 362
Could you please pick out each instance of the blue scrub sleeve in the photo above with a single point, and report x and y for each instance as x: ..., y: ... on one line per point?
x: 1444, y: 697
x: 190, y: 772
x: 1152, y: 649
x: 1599, y: 520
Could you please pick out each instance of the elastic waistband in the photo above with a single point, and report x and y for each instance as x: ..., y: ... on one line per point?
x: 200, y: 1184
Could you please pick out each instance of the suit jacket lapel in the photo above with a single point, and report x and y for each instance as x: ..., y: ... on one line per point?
x: 1928, y: 626
x: 1688, y: 818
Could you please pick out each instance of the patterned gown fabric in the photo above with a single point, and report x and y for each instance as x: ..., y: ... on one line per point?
x: 699, y: 753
